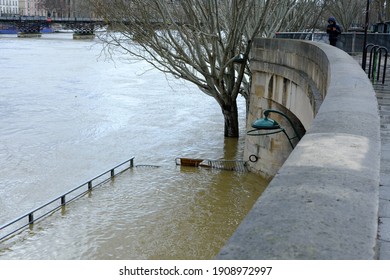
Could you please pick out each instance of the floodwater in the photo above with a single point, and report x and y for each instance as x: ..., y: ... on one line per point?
x: 68, y: 113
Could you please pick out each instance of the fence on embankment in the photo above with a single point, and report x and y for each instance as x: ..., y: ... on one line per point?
x: 62, y: 200
x: 31, y: 217
x: 350, y: 42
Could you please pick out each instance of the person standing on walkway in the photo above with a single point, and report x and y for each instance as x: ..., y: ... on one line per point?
x: 333, y: 30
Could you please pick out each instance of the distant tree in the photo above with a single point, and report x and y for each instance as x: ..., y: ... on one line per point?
x: 54, y: 7
x: 346, y: 12
x: 66, y: 8
x: 206, y: 42
x: 379, y: 11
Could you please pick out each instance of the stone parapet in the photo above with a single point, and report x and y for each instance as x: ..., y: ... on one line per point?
x: 323, y: 201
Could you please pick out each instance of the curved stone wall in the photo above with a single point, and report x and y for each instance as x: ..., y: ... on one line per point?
x: 323, y: 201
x: 290, y: 77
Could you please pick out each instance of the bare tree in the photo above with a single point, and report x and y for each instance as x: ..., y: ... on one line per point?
x: 379, y: 9
x: 206, y: 42
x: 54, y: 7
x: 347, y: 12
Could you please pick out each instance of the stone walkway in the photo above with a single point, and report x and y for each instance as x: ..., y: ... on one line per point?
x: 383, y: 96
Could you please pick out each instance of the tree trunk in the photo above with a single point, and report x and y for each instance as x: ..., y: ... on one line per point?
x: 230, y: 114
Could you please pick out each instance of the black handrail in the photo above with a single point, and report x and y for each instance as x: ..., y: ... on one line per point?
x: 375, y: 61
x: 372, y: 59
x: 364, y: 59
x: 379, y: 63
x: 62, y: 199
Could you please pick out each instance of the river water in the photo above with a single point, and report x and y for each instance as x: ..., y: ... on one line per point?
x: 68, y: 113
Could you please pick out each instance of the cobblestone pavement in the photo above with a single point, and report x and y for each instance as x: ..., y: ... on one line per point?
x: 382, y: 91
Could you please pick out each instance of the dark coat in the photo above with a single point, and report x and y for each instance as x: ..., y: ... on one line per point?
x: 333, y: 29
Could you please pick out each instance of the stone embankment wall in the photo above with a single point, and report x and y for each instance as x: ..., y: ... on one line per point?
x: 284, y: 78
x: 323, y: 201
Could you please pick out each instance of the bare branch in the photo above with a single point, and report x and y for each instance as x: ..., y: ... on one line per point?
x: 206, y: 42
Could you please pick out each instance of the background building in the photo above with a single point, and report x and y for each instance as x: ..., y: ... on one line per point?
x: 9, y: 7
x: 31, y: 8
x: 47, y: 8
x: 66, y: 8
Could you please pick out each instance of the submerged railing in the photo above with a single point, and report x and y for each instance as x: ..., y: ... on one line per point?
x: 53, y: 205
x: 231, y: 165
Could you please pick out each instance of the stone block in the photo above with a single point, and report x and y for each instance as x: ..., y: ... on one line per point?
x: 384, y: 191
x: 384, y: 250
x: 384, y: 229
x: 384, y: 208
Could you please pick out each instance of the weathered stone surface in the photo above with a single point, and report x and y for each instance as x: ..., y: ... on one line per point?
x: 323, y: 201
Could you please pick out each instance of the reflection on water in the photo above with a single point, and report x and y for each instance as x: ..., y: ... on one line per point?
x: 64, y: 126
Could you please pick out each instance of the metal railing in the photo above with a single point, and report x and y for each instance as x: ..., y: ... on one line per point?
x: 231, y: 165
x: 59, y: 202
x: 374, y: 66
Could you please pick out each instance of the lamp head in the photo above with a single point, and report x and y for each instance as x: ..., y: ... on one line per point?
x: 265, y: 123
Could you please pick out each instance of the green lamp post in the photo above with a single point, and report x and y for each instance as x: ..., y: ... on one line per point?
x: 272, y: 127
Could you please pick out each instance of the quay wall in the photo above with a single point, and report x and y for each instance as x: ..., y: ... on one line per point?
x: 322, y: 202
